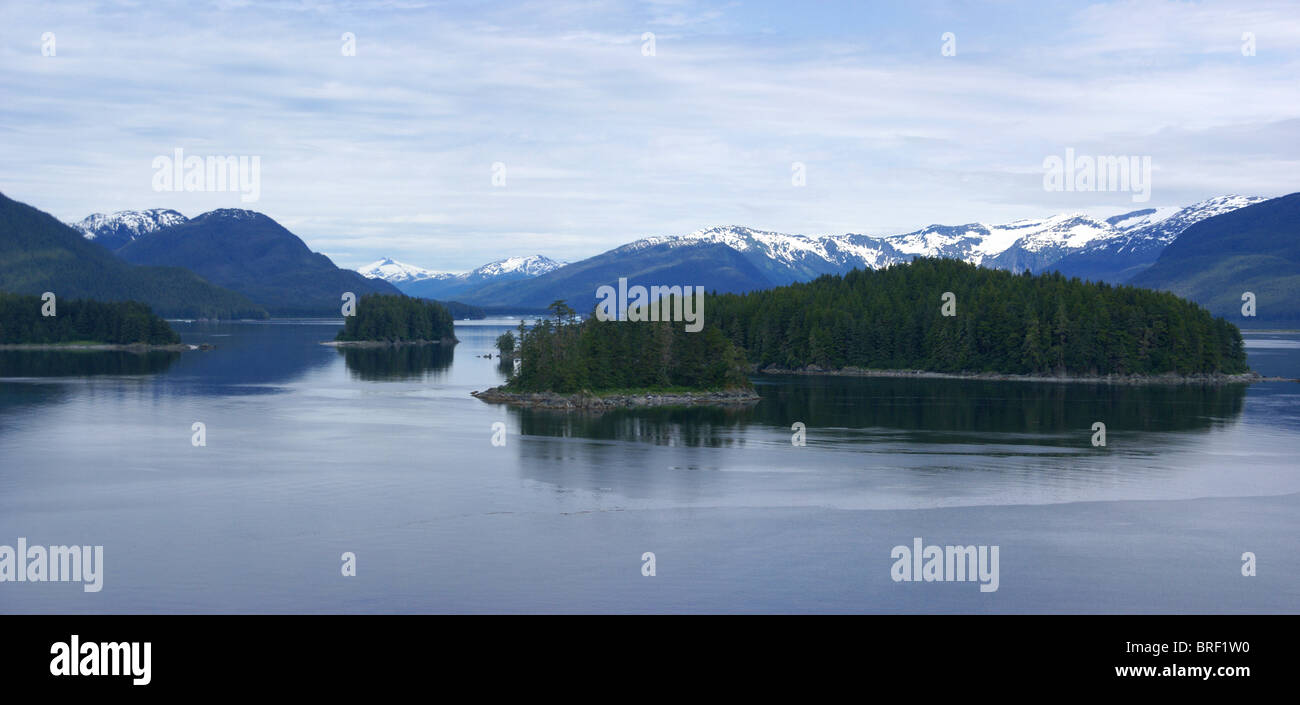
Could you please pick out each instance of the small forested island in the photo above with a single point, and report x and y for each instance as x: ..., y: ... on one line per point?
x: 592, y: 364
x: 81, y: 323
x: 892, y: 321
x: 386, y: 319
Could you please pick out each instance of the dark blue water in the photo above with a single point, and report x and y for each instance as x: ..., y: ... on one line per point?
x: 312, y: 452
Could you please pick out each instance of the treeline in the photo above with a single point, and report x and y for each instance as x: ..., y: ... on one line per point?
x: 81, y: 321
x: 1003, y: 322
x: 562, y: 354
x: 391, y: 318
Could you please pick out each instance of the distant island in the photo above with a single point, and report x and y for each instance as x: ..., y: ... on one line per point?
x: 566, y: 363
x: 1001, y: 323
x: 386, y: 319
x: 82, y: 323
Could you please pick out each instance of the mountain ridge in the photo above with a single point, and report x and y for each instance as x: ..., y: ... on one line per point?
x: 39, y: 253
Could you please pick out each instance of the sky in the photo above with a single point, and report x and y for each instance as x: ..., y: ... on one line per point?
x: 901, y: 114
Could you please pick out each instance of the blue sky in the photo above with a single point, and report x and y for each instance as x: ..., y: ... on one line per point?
x: 390, y: 152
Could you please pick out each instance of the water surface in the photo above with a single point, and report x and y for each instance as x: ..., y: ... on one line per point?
x: 313, y: 451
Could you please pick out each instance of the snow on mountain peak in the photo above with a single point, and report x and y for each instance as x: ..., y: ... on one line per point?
x: 392, y: 271
x: 530, y: 265
x: 129, y: 225
x: 1025, y: 243
x: 395, y: 272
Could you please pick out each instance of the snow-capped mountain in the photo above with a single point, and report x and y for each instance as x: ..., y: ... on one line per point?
x: 117, y: 229
x: 1165, y: 224
x: 783, y: 258
x: 529, y: 266
x: 1029, y: 243
x: 1143, y: 235
x: 1032, y: 243
x: 395, y: 272
x: 416, y: 281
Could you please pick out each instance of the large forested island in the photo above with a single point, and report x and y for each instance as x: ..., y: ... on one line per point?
x: 1014, y: 324
x: 81, y: 323
x: 384, y: 319
x: 928, y: 317
x: 565, y: 362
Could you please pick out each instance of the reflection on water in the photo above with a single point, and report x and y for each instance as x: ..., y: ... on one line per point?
x: 83, y: 363
x: 937, y: 410
x: 398, y: 362
x: 248, y: 358
x: 693, y: 427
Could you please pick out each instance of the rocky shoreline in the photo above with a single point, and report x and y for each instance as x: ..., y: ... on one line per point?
x: 386, y: 343
x: 1171, y: 378
x: 600, y: 402
x: 93, y: 347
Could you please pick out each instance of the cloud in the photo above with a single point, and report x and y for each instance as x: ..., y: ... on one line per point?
x: 390, y: 152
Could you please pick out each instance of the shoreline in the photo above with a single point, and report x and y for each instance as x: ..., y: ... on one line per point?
x: 598, y: 402
x: 386, y: 343
x: 1170, y: 378
x: 106, y: 347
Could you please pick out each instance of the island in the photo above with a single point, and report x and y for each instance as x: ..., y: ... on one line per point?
x: 946, y: 318
x: 385, y: 319
x: 567, y: 363
x: 82, y: 324
x: 930, y: 318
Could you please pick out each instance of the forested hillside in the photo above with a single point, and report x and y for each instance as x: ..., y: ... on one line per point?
x: 250, y: 253
x: 1255, y: 249
x: 38, y: 254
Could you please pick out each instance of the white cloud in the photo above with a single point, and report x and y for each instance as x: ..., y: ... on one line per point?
x: 390, y: 151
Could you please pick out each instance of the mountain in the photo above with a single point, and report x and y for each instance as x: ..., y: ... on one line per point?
x: 681, y: 263
x: 38, y: 253
x: 776, y: 259
x: 515, y: 268
x: 1032, y: 243
x: 395, y: 272
x: 781, y: 258
x: 1252, y: 249
x: 744, y: 259
x: 252, y: 254
x: 442, y: 286
x: 1144, y: 234
x: 117, y: 229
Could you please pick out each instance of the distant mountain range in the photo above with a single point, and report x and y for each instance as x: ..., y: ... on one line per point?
x: 738, y: 259
x: 233, y: 262
x: 429, y: 284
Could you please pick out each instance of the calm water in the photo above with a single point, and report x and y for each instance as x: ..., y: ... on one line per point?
x: 313, y: 451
